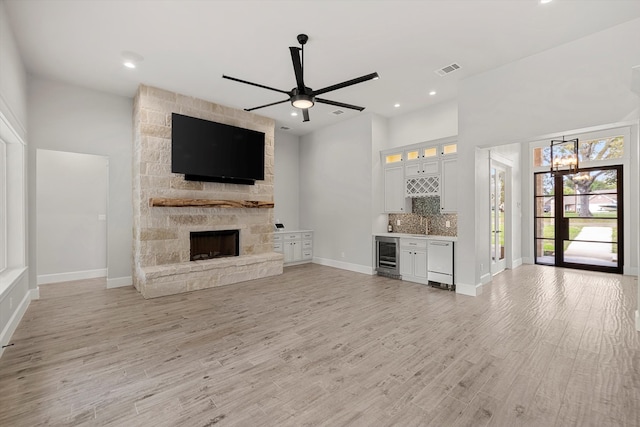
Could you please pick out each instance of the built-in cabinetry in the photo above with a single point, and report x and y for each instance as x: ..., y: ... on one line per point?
x: 426, y: 259
x: 394, y: 198
x: 449, y: 185
x: 413, y: 260
x: 297, y: 246
x: 420, y: 170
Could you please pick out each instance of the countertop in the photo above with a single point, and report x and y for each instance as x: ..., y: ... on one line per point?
x: 419, y: 236
x: 283, y: 231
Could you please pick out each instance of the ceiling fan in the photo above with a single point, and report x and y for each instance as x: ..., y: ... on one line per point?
x: 304, y: 97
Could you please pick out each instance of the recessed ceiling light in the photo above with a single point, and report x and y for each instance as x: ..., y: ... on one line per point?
x: 433, y: 92
x: 396, y: 105
x: 545, y: 1
x: 293, y: 113
x: 131, y: 59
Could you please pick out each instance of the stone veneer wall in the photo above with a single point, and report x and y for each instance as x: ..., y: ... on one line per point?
x: 161, y: 234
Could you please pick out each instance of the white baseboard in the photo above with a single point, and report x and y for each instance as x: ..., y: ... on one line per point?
x: 345, y: 265
x: 119, y: 282
x: 35, y: 294
x: 485, y: 278
x: 527, y: 260
x: 516, y: 263
x: 469, y: 290
x: 630, y: 271
x: 44, y: 279
x: 14, y: 321
x: 638, y: 320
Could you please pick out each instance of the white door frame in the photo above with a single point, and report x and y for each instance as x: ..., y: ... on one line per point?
x: 505, y: 164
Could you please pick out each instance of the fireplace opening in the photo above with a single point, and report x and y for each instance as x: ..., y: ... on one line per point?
x: 214, y: 244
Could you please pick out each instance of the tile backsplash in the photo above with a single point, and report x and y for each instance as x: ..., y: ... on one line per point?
x: 425, y: 219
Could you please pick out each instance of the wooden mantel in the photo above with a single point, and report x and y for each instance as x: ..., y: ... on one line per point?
x: 209, y: 203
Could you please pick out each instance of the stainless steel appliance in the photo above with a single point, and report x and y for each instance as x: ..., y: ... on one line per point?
x: 388, y: 256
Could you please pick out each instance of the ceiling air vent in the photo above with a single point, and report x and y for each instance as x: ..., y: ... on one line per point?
x: 447, y: 70
x: 284, y: 128
x: 337, y: 112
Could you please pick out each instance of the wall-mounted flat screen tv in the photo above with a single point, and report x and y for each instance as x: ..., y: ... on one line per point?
x: 203, y: 150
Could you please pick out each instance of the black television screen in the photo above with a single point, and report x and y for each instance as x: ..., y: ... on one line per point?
x: 203, y: 150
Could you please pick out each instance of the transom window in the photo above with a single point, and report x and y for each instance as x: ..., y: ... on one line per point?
x: 590, y: 151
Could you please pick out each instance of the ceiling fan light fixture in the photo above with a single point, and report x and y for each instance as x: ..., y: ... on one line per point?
x: 302, y: 101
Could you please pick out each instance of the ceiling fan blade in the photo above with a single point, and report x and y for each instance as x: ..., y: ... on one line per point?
x: 339, y: 104
x: 256, y: 84
x: 266, y: 105
x: 297, y: 67
x: 305, y: 114
x: 347, y: 83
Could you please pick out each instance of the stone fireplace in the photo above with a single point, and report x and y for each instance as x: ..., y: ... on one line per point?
x: 214, y: 244
x: 168, y: 209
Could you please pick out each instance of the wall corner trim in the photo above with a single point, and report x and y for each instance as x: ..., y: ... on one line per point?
x: 469, y: 290
x: 119, y: 282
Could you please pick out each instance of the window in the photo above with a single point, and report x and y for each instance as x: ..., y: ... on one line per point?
x: 590, y: 151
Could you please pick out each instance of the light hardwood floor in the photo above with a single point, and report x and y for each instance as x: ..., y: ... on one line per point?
x: 321, y: 346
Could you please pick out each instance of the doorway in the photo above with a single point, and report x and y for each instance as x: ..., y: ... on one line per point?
x: 71, y: 208
x: 498, y: 190
x: 579, y: 220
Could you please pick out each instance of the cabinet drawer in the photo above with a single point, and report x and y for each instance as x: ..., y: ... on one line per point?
x: 277, y: 247
x: 307, y: 244
x: 291, y: 236
x: 277, y: 238
x: 307, y: 254
x: 307, y: 235
x: 441, y: 278
x: 413, y: 243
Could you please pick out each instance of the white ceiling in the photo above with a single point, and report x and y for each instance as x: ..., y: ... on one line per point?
x: 188, y: 45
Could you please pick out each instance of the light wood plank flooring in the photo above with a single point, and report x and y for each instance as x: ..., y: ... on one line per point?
x: 320, y: 346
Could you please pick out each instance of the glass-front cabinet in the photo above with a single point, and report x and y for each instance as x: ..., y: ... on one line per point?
x: 422, y: 161
x: 419, y: 170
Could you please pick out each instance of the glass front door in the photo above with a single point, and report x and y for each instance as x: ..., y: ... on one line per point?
x: 578, y: 219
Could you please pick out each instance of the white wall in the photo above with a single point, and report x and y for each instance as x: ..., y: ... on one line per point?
x: 577, y: 85
x: 335, y: 192
x: 15, y: 292
x: 69, y: 118
x: 287, y: 180
x: 379, y: 141
x: 71, y: 216
x: 427, y: 124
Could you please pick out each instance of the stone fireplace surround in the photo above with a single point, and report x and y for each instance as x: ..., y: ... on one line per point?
x: 161, y: 244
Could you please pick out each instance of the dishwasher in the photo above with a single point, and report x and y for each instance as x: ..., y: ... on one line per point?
x: 440, y: 263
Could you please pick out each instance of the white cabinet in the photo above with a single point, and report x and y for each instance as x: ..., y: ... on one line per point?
x: 297, y: 246
x: 422, y: 161
x: 421, y: 170
x: 449, y: 186
x: 422, y: 186
x: 394, y: 197
x: 413, y: 260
